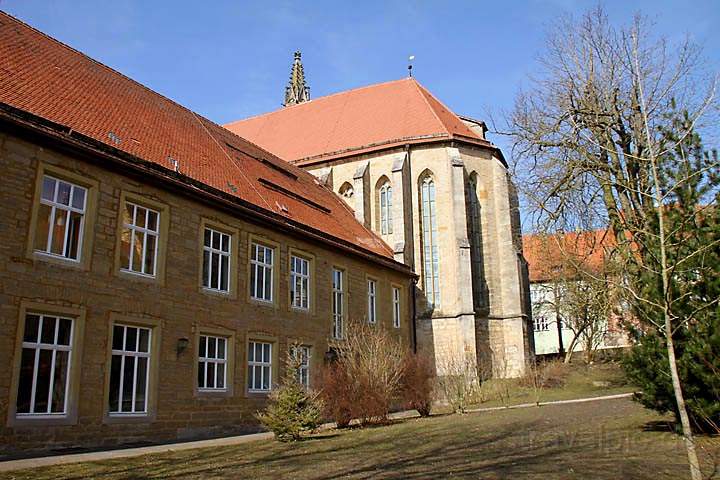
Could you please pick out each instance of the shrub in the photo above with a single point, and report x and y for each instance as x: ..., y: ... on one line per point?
x: 460, y: 383
x: 291, y: 409
x: 417, y: 384
x: 366, y: 377
x: 338, y: 393
x: 546, y: 374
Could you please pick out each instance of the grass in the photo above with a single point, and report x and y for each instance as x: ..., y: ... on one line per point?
x: 606, y: 439
x: 580, y: 381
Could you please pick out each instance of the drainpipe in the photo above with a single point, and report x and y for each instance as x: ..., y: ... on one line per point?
x: 413, y: 287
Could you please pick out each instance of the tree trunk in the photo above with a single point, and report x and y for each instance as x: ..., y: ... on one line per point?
x: 659, y: 207
x: 695, y: 473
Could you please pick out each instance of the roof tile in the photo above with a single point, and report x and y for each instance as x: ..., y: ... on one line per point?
x: 373, y: 116
x: 48, y: 79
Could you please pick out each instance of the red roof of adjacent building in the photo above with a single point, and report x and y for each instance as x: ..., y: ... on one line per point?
x: 555, y: 257
x: 364, y: 119
x: 48, y: 79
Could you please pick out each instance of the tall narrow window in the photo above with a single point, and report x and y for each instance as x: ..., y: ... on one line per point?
x: 212, y: 363
x: 299, y: 282
x: 302, y: 355
x: 474, y: 231
x: 261, y: 272
x: 139, y: 239
x: 372, y: 293
x: 259, y: 366
x: 216, y: 260
x: 396, y: 307
x: 431, y: 261
x: 129, y: 369
x: 338, y: 298
x: 45, y: 365
x: 60, y: 219
x: 386, y: 219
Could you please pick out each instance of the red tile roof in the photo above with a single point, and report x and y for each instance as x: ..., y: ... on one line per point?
x: 552, y: 257
x: 368, y: 118
x: 48, y: 79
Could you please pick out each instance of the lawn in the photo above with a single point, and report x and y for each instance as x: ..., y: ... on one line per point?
x: 606, y: 439
x: 579, y: 381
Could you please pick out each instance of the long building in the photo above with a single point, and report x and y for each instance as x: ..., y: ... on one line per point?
x: 155, y: 268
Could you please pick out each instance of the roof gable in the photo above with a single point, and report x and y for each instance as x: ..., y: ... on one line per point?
x: 559, y: 256
x: 368, y: 117
x: 48, y: 79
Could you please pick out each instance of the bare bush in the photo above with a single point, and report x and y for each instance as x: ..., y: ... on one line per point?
x: 366, y: 377
x: 417, y: 384
x: 339, y: 394
x: 544, y: 375
x: 460, y: 383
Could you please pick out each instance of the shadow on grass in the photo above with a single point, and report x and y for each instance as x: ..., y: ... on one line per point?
x: 600, y: 441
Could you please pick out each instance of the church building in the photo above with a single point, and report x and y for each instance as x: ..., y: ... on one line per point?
x: 437, y: 191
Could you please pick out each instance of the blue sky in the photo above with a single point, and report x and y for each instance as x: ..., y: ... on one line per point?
x: 231, y: 59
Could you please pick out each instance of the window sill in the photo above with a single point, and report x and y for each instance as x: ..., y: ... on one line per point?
x: 24, y: 420
x: 128, y: 418
x: 142, y: 277
x: 205, y: 393
x: 57, y: 259
x: 217, y: 293
x: 263, y: 303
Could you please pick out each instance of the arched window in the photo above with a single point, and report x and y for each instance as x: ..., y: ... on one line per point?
x: 475, y: 234
x: 346, y: 192
x: 431, y: 257
x: 385, y: 202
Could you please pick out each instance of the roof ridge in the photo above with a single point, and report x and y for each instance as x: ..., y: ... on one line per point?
x: 419, y: 87
x: 197, y: 115
x: 144, y: 87
x: 425, y: 92
x: 298, y: 105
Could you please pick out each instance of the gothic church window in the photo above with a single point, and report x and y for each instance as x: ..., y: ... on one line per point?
x: 431, y: 260
x: 385, y: 203
x: 474, y: 232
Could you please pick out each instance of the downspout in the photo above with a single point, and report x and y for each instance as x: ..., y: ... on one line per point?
x: 413, y: 287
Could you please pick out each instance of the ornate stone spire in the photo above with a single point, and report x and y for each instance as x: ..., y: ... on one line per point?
x: 296, y: 91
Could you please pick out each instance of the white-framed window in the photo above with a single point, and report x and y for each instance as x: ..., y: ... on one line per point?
x: 299, y: 282
x: 212, y: 363
x: 431, y: 260
x: 541, y: 324
x: 396, y: 306
x: 386, y: 218
x: 139, y: 239
x: 45, y: 366
x: 372, y: 301
x: 338, y: 299
x: 216, y: 260
x: 261, y: 272
x: 130, y: 369
x: 60, y: 219
x: 259, y: 366
x: 302, y: 354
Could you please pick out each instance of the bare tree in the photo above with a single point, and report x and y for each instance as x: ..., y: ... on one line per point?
x: 577, y: 290
x: 590, y: 302
x: 590, y: 152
